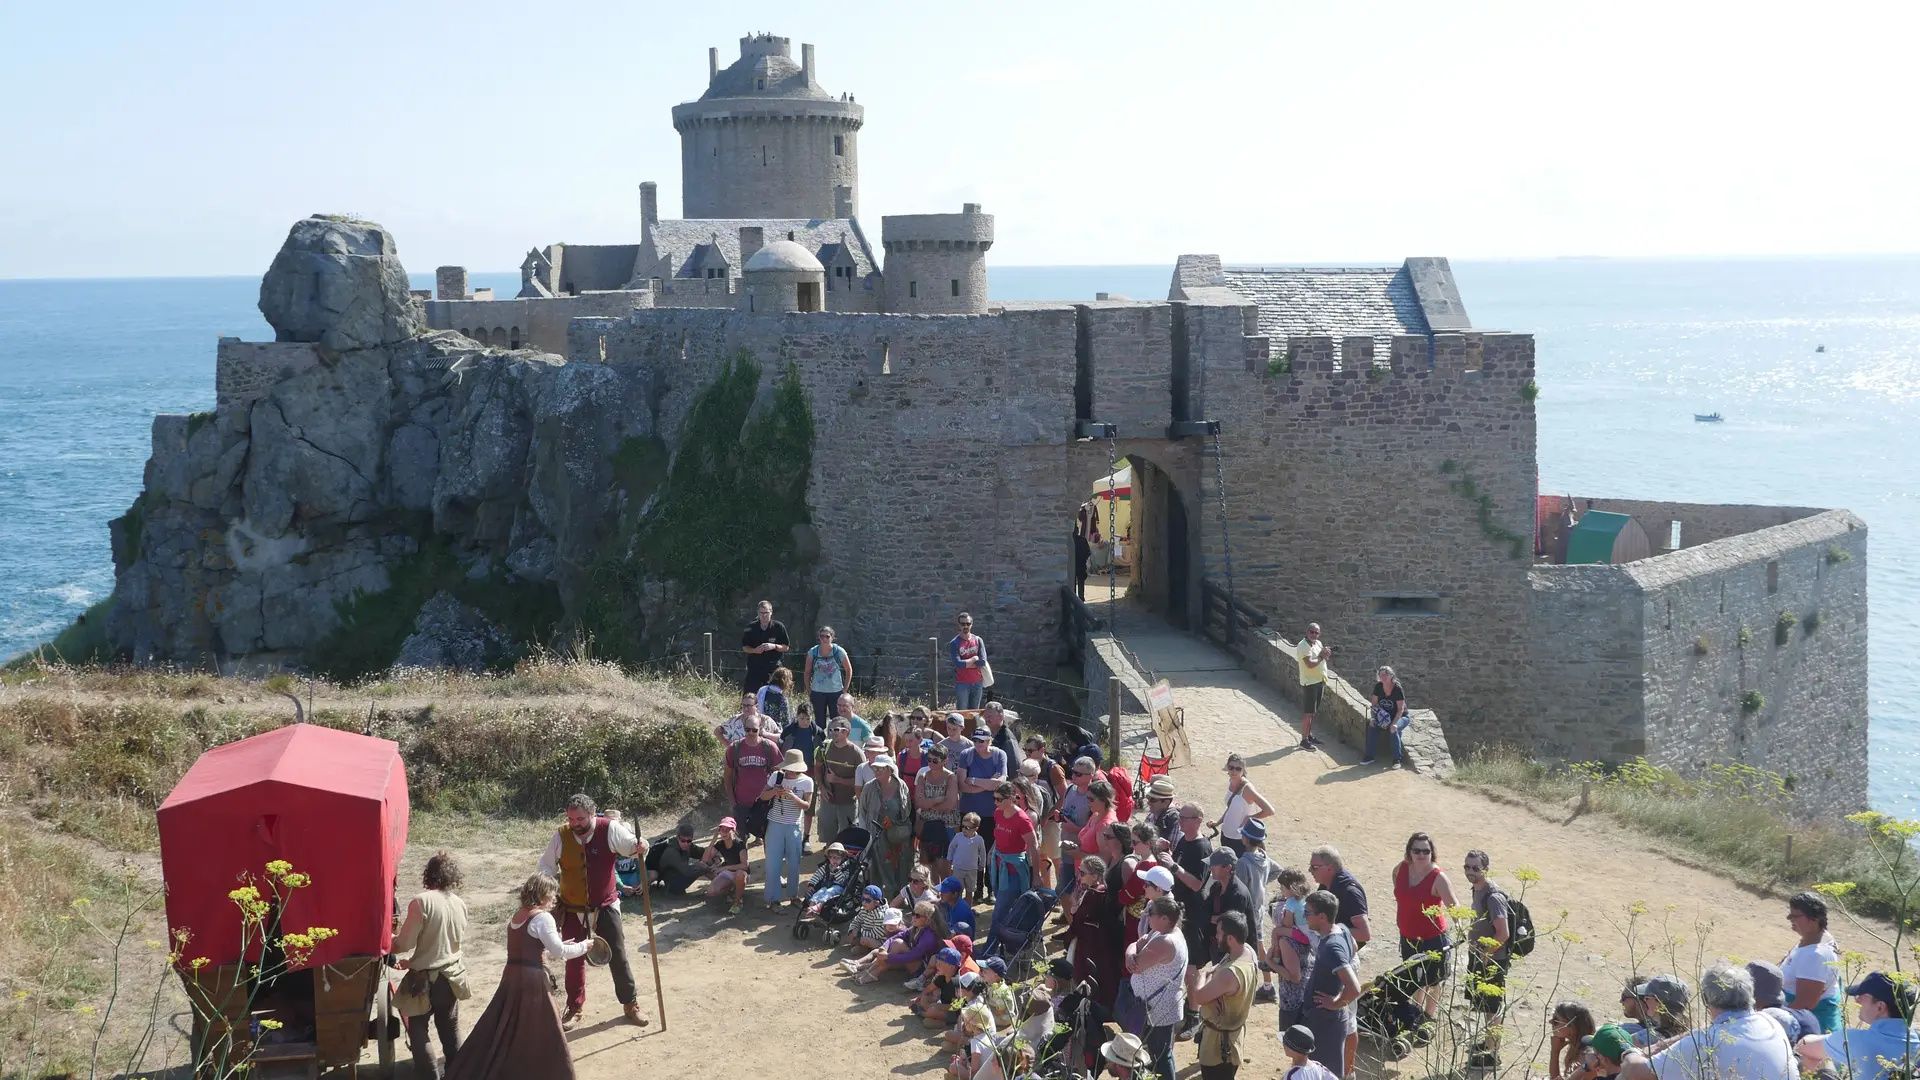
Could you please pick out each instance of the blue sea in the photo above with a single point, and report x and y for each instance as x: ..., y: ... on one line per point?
x: 1628, y: 351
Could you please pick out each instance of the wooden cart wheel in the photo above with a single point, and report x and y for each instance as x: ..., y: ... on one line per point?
x: 383, y: 1022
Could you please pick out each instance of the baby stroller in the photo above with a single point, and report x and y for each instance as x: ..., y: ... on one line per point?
x: 835, y: 905
x: 1390, y: 1015
x: 1020, y: 940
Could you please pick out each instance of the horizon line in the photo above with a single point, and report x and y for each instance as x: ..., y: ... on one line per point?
x: 1286, y: 263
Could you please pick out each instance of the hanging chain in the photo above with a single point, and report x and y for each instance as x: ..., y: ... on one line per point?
x: 1226, y: 544
x: 1113, y: 541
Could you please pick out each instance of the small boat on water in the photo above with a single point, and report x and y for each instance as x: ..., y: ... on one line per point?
x: 1708, y: 418
x: 1819, y: 348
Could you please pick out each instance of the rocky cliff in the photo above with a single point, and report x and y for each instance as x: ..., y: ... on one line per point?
x: 413, y: 494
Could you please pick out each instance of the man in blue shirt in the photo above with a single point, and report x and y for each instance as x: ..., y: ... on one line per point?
x: 982, y: 769
x: 1888, y: 1042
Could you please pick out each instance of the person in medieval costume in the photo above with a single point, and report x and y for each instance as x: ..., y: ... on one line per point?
x: 581, y: 857
x: 520, y: 1035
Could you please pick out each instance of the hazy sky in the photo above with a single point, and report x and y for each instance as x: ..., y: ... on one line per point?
x: 183, y: 138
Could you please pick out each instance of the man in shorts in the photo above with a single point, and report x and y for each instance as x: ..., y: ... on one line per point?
x: 1487, y: 968
x: 1313, y: 656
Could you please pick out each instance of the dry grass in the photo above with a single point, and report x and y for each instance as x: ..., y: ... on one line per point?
x: 1736, y: 824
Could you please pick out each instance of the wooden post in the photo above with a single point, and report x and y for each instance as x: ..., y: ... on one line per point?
x: 1113, y: 721
x: 1789, y: 868
x: 709, y: 637
x: 1586, y: 792
x: 653, y: 947
x: 933, y: 674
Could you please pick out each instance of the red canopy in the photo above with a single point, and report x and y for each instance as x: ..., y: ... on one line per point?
x: 332, y: 803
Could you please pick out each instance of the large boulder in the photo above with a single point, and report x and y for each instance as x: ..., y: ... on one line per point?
x: 339, y: 282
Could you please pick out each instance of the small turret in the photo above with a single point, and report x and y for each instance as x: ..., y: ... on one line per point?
x: 937, y: 263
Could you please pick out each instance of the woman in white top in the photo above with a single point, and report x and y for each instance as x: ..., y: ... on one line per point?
x: 1812, y: 970
x: 1157, y: 966
x: 520, y: 1034
x: 1243, y: 802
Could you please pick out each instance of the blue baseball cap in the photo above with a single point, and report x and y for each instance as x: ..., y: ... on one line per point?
x: 981, y: 734
x: 872, y: 892
x: 952, y: 885
x: 995, y: 964
x: 1881, y: 987
x: 948, y: 956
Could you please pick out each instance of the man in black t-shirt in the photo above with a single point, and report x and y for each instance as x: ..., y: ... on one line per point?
x: 1331, y: 874
x: 765, y: 643
x: 1190, y: 879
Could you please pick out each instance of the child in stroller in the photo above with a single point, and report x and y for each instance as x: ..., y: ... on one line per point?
x: 833, y: 893
x: 1390, y: 1015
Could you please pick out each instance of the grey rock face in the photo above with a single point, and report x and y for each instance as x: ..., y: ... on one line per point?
x: 338, y: 282
x: 449, y: 634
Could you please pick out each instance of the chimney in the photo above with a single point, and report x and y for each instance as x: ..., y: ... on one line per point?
x: 806, y: 63
x: 713, y: 65
x: 450, y: 283
x: 649, y: 205
x: 751, y: 237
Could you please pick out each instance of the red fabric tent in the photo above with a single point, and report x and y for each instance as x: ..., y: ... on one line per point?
x: 332, y: 803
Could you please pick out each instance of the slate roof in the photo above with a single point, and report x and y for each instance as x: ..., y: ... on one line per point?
x: 1337, y: 302
x: 679, y: 237
x: 763, y: 76
x: 596, y: 267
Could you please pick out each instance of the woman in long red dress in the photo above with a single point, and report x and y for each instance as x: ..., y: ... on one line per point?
x: 519, y: 1035
x: 1123, y: 879
x: 1096, y: 933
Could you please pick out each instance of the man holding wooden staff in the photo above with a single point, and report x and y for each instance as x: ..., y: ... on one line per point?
x: 581, y: 857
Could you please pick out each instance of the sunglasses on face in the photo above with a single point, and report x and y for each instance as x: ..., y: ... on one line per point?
x: 1472, y: 868
x: 1236, y: 768
x: 1423, y: 851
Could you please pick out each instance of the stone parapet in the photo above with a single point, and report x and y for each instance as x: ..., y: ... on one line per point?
x: 1344, y: 710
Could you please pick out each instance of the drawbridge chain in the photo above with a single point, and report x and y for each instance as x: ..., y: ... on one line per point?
x: 1226, y: 542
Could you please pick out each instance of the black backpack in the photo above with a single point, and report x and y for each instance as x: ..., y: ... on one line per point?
x: 1520, y: 934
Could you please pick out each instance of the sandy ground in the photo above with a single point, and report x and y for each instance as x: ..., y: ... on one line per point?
x: 742, y: 994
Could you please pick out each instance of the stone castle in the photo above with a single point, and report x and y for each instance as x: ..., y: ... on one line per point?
x: 1331, y: 445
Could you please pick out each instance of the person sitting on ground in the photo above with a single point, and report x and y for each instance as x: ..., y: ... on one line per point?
x: 726, y: 860
x: 1812, y: 968
x: 868, y: 930
x: 1888, y: 1045
x: 1127, y: 1058
x: 1606, y: 1048
x: 1662, y: 1004
x: 907, y: 949
x: 677, y: 865
x: 1036, y: 1027
x: 953, y: 903
x: 915, y: 890
x: 967, y: 856
x: 997, y: 992
x: 1570, y: 1025
x: 972, y: 992
x: 934, y: 996
x: 1769, y: 996
x: 1297, y: 1042
x: 1737, y: 1042
x: 981, y: 1059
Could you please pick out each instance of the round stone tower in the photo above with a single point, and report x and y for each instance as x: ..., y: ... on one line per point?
x: 765, y: 141
x: 937, y: 263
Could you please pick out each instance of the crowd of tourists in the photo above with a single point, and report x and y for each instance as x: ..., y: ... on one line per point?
x: 947, y: 838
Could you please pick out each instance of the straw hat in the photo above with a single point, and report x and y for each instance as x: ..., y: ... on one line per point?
x: 1161, y: 788
x: 793, y: 762
x: 1126, y: 1049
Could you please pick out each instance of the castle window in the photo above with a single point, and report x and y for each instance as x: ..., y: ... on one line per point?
x: 1405, y: 604
x: 839, y: 146
x: 762, y: 83
x: 1773, y: 577
x: 763, y: 155
x: 956, y: 286
x: 913, y: 290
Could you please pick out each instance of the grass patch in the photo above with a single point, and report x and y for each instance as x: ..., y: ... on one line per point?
x: 84, y: 641
x: 1735, y: 817
x: 1529, y: 391
x: 95, y: 752
x: 373, y: 626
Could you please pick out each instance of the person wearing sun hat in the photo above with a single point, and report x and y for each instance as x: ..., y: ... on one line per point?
x: 886, y: 809
x: 1162, y: 810
x: 789, y: 793
x: 726, y: 859
x: 1888, y: 1044
x: 1127, y: 1058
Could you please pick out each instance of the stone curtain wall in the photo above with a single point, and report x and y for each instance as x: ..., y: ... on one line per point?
x: 1813, y: 725
x: 542, y: 321
x: 1646, y: 659
x: 246, y: 370
x: 947, y: 485
x: 1336, y: 494
x: 1700, y: 523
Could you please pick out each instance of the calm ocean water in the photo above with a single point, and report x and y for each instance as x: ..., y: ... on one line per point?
x: 1628, y: 352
